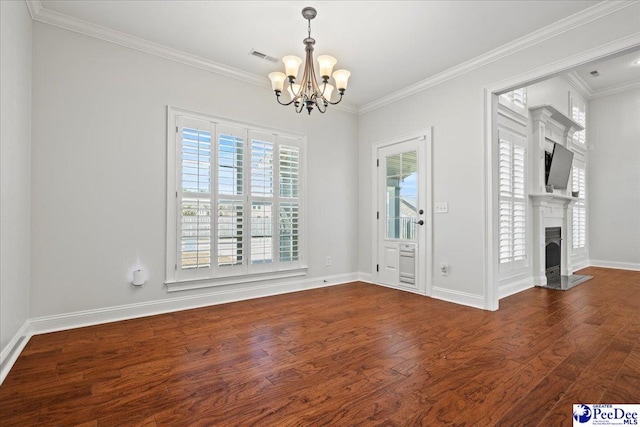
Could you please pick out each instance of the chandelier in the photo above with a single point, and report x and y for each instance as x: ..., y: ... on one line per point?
x: 309, y: 93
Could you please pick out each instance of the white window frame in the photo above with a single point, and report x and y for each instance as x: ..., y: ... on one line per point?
x: 578, y: 112
x: 179, y: 279
x: 513, y: 265
x: 581, y: 203
x: 515, y: 100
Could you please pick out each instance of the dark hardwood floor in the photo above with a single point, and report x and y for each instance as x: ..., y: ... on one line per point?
x: 353, y: 354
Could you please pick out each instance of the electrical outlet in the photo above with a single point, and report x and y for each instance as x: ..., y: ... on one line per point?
x: 444, y: 269
x: 328, y: 262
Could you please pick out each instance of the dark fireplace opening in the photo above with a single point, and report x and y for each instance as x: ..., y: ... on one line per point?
x: 553, y: 240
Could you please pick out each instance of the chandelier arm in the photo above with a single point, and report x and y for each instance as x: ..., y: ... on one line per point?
x: 282, y: 103
x: 300, y: 107
x: 323, y: 104
x: 337, y: 102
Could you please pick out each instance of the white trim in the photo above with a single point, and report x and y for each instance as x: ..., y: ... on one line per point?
x: 12, y: 350
x: 635, y: 266
x: 59, y: 322
x: 576, y: 20
x: 515, y: 287
x: 578, y: 84
x: 458, y: 297
x: 580, y: 264
x: 613, y: 90
x: 561, y: 66
x: 365, y: 277
x: 427, y: 181
x: 399, y: 288
x: 189, y: 284
x: 34, y: 6
x: 491, y: 227
x: 538, y: 74
x: 48, y: 16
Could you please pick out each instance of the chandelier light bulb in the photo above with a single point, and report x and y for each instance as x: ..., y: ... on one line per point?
x: 342, y: 79
x: 277, y: 80
x: 291, y: 65
x: 326, y: 63
x: 327, y: 92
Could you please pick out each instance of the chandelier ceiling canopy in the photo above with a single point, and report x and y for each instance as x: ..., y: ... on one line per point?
x: 309, y: 93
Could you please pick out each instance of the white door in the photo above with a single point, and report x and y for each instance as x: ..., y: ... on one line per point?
x: 403, y: 215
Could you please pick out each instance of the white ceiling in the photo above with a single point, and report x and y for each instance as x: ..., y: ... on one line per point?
x: 387, y: 45
x: 614, y: 72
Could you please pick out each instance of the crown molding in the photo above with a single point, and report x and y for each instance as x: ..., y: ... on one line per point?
x: 34, y: 6
x: 623, y: 87
x: 566, y: 24
x: 579, y: 84
x: 47, y: 16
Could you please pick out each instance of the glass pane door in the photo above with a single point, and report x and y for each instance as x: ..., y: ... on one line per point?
x: 402, y: 196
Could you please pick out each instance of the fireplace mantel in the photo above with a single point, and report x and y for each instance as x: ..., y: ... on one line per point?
x: 541, y: 198
x: 549, y: 125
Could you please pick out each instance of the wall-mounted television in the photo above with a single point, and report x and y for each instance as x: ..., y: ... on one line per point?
x: 558, y: 166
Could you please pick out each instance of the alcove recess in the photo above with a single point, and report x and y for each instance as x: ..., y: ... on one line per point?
x: 549, y: 126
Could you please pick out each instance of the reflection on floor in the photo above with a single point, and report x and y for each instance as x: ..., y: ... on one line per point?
x: 567, y: 282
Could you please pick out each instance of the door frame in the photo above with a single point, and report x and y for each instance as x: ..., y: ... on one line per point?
x: 491, y: 92
x: 425, y: 263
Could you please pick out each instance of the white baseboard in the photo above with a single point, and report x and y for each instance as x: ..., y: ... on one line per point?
x: 615, y: 264
x: 12, y: 350
x: 365, y: 277
x: 579, y: 265
x: 458, y: 297
x: 59, y: 322
x: 515, y: 287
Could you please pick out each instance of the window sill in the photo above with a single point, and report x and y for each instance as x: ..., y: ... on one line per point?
x: 210, y: 282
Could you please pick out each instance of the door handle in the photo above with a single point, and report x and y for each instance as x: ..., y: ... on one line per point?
x: 421, y: 222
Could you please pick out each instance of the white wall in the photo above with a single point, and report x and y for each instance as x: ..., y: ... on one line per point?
x: 15, y: 169
x: 613, y: 180
x: 455, y: 109
x: 99, y: 178
x: 554, y: 92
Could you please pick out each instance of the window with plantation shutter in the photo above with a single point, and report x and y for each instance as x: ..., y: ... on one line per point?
x: 579, y: 114
x: 515, y: 99
x: 289, y: 212
x: 195, y: 189
x: 579, y: 209
x: 235, y: 203
x: 512, y: 201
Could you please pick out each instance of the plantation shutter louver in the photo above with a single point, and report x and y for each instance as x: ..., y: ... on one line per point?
x: 230, y: 212
x: 512, y: 200
x: 263, y: 172
x: 579, y: 209
x: 516, y: 98
x: 579, y: 114
x: 289, y: 212
x: 195, y: 192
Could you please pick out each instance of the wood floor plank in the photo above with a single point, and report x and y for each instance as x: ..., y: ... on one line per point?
x: 354, y: 354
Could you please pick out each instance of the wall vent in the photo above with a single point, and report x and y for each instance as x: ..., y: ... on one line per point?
x: 263, y: 56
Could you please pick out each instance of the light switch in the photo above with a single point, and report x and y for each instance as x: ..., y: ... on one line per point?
x: 442, y: 207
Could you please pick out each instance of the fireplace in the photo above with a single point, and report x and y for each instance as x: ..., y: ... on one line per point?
x: 553, y: 254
